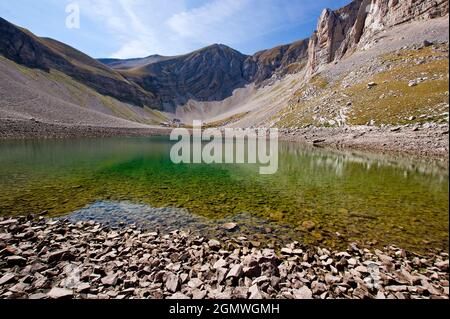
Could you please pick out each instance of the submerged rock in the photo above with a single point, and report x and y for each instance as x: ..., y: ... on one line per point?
x: 230, y: 226
x: 309, y: 225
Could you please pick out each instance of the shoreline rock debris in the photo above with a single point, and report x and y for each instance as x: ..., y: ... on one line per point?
x: 54, y: 259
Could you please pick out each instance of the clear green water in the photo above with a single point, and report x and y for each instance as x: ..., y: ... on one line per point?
x: 364, y: 198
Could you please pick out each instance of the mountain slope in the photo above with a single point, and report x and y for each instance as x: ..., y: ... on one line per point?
x: 289, y: 85
x: 281, y: 60
x: 209, y: 74
x: 407, y: 66
x: 24, y: 48
x: 52, y: 97
x: 124, y: 64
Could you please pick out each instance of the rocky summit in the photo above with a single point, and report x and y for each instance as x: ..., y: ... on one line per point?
x: 54, y: 259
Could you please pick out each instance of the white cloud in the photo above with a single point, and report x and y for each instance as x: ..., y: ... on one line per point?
x: 133, y: 24
x: 208, y: 21
x: 144, y: 27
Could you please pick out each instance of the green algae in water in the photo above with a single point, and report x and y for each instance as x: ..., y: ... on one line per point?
x: 349, y: 196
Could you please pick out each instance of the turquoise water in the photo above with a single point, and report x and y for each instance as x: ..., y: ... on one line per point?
x: 372, y: 199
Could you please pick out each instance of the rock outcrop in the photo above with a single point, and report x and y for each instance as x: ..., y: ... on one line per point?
x: 332, y: 30
x: 343, y: 31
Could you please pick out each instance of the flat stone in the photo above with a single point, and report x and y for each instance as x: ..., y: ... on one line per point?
x: 235, y: 271
x: 5, y: 237
x: 59, y: 255
x: 195, y: 283
x: 110, y: 280
x: 16, y: 261
x: 380, y: 295
x: 198, y: 294
x: 221, y: 263
x: 260, y: 280
x: 404, y: 277
x: 396, y: 288
x: 7, y: 278
x: 213, y: 243
x: 83, y: 287
x: 352, y: 261
x: 19, y: 287
x: 60, y: 293
x: 37, y: 296
x: 362, y: 269
x: 330, y: 279
x: 172, y: 282
x: 286, y: 251
x: 8, y: 222
x: 302, y: 293
x: 442, y: 265
x: 255, y: 293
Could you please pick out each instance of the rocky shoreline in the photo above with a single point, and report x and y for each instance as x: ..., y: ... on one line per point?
x: 31, y: 129
x: 423, y: 140
x: 52, y: 259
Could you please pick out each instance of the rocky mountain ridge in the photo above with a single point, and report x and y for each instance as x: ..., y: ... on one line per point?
x: 215, y: 72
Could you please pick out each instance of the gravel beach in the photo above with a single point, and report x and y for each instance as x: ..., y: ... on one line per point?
x: 26, y: 129
x: 427, y: 140
x: 43, y: 258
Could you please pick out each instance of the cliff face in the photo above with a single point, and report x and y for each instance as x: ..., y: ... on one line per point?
x: 281, y: 60
x: 332, y: 31
x: 342, y: 31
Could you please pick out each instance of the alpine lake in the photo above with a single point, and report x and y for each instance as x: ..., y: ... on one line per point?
x: 318, y: 196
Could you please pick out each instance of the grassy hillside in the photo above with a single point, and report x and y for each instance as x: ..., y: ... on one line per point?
x: 55, y: 97
x: 406, y: 87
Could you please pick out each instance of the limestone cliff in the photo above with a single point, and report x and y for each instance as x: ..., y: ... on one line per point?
x: 345, y: 30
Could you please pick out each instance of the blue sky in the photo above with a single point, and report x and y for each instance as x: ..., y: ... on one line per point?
x: 137, y: 28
